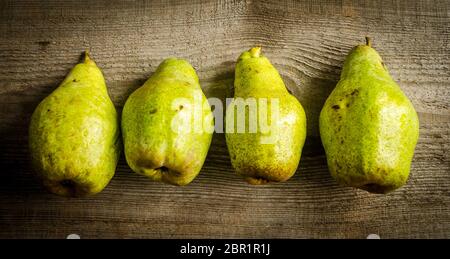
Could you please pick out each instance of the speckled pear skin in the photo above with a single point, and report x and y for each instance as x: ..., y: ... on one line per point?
x: 368, y: 127
x: 74, y: 134
x: 259, y: 163
x: 152, y: 148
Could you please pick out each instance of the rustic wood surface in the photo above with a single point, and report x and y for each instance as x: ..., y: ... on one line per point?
x: 306, y: 40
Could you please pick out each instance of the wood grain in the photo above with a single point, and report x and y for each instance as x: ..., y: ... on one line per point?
x: 306, y: 40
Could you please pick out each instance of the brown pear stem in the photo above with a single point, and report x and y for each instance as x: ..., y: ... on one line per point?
x: 369, y: 41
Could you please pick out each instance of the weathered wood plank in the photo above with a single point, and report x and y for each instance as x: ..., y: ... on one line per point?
x: 306, y: 40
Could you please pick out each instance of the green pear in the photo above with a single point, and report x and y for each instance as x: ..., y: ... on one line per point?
x: 266, y: 145
x: 74, y: 134
x: 167, y: 125
x: 368, y: 127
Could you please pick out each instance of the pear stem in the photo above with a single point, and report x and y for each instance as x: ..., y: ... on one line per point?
x: 255, y: 52
x: 369, y: 41
x: 87, y: 58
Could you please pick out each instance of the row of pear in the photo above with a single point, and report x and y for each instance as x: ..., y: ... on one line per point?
x: 368, y: 127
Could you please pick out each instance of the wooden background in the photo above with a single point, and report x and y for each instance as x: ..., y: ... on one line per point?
x: 306, y: 40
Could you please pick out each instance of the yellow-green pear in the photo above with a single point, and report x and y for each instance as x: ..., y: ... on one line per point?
x: 265, y: 124
x: 74, y: 134
x: 167, y: 125
x: 368, y: 127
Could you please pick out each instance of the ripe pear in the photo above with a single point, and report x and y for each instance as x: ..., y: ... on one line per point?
x: 266, y: 146
x: 167, y: 125
x: 74, y: 134
x: 368, y: 127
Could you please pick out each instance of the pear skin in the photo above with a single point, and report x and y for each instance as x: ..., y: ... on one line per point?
x: 265, y: 155
x: 74, y: 134
x: 368, y: 127
x: 167, y: 125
